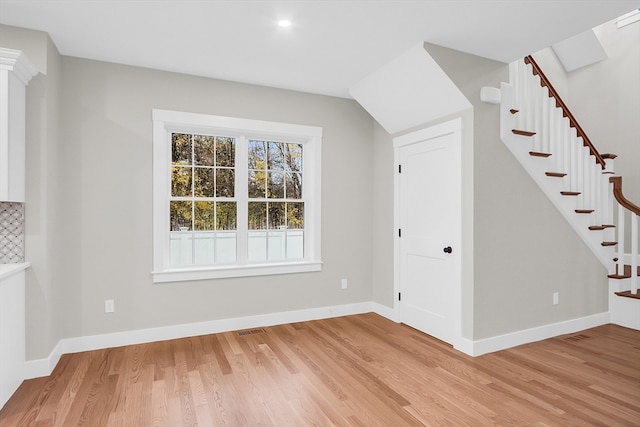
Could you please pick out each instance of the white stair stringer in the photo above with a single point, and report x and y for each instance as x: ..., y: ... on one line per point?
x: 546, y: 140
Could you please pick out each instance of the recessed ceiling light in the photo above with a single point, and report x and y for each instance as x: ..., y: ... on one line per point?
x: 284, y: 23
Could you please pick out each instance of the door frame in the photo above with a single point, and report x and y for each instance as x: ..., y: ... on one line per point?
x: 452, y: 126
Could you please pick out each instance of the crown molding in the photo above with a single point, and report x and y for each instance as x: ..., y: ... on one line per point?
x: 16, y: 62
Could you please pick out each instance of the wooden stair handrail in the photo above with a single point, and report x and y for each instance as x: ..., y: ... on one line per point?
x: 565, y: 110
x: 617, y: 193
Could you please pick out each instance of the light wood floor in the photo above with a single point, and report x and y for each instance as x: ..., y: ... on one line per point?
x: 359, y: 370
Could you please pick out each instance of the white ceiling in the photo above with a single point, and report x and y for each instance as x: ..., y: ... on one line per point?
x: 331, y: 45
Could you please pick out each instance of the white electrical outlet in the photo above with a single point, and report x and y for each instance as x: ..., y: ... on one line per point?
x: 555, y: 298
x: 344, y: 283
x: 109, y: 306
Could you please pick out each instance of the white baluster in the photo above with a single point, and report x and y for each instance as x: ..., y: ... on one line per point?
x: 609, y: 233
x: 598, y: 202
x: 556, y: 137
x: 587, y: 188
x: 534, y: 113
x: 518, y: 76
x: 545, y: 144
x: 574, y: 162
x: 634, y: 253
x: 524, y: 87
x: 529, y: 98
x: 594, y: 174
x: 620, y: 238
x: 537, y: 116
x: 577, y: 143
x: 566, y: 145
x: 513, y: 81
x: 610, y: 204
x: 585, y: 197
x: 584, y: 177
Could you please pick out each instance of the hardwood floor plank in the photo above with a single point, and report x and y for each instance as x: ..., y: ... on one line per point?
x: 358, y: 370
x: 531, y: 394
x: 200, y: 403
x: 221, y: 358
x: 449, y: 405
x: 280, y: 356
x: 583, y: 376
x: 312, y: 369
x: 182, y: 389
x: 217, y: 392
x: 360, y: 380
x: 325, y: 383
x: 61, y: 387
x: 24, y: 406
x: 306, y: 383
x: 85, y: 394
x: 159, y: 404
x: 352, y: 371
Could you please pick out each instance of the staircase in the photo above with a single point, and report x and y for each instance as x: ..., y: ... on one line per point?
x: 547, y: 140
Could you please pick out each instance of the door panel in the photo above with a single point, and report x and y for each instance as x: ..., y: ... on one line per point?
x: 429, y: 217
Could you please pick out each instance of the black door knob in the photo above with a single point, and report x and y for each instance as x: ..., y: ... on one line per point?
x: 448, y: 250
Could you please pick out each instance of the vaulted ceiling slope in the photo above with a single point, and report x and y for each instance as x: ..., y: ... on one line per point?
x: 330, y: 45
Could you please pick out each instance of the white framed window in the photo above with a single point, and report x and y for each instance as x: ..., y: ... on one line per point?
x: 234, y: 197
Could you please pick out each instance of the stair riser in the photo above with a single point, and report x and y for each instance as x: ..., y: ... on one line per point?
x: 624, y: 311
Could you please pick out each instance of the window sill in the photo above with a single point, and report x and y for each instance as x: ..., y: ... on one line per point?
x: 204, y: 273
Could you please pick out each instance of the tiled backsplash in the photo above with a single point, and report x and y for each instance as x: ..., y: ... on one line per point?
x: 11, y: 232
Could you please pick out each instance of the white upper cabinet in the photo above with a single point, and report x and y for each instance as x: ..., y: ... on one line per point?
x: 15, y: 73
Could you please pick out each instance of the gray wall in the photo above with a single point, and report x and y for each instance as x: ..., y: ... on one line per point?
x: 50, y: 297
x: 382, y: 226
x: 89, y: 196
x: 107, y: 127
x: 522, y: 248
x: 612, y: 88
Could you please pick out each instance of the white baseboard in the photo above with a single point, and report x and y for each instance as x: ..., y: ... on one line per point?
x: 502, y: 342
x: 465, y: 345
x: 385, y: 311
x: 44, y: 367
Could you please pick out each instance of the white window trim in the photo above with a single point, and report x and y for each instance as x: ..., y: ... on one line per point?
x: 164, y: 123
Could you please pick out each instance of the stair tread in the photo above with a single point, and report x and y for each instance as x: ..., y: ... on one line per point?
x: 555, y: 174
x: 570, y: 193
x: 584, y: 211
x: 628, y: 294
x: 522, y: 132
x: 609, y: 243
x: 539, y: 154
x: 601, y: 227
x: 514, y: 111
x: 625, y: 275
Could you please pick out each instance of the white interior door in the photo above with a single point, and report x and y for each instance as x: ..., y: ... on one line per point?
x: 428, y: 214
